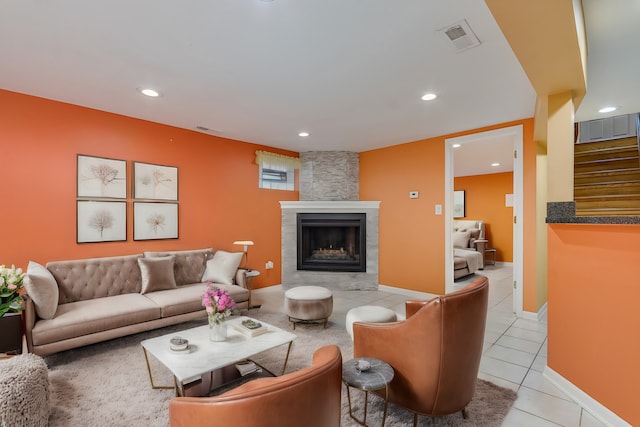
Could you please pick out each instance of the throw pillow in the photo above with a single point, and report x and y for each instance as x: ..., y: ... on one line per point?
x: 42, y: 288
x: 157, y: 274
x: 461, y: 239
x: 222, y: 267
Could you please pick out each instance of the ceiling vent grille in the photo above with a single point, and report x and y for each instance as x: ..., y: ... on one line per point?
x: 460, y: 35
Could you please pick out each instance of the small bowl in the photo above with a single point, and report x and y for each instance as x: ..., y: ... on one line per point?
x: 178, y: 343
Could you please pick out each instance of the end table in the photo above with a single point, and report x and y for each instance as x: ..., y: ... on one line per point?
x: 377, y: 377
x: 250, y: 275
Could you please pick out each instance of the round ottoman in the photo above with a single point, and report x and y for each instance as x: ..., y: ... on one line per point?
x: 369, y: 313
x: 304, y: 304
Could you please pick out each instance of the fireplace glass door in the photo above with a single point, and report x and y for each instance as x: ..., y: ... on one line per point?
x: 331, y: 241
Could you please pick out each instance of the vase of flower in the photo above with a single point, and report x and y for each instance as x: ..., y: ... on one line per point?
x: 217, y: 330
x: 219, y: 305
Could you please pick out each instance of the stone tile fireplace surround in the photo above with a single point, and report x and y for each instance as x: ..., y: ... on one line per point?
x: 329, y: 184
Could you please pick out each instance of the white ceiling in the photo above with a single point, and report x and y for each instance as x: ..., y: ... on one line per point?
x: 351, y: 73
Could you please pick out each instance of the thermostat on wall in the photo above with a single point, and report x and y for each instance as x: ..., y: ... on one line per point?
x: 413, y: 194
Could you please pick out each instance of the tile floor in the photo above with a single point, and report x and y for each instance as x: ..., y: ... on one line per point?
x: 514, y: 353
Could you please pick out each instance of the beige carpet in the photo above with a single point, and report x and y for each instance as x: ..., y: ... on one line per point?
x: 107, y: 384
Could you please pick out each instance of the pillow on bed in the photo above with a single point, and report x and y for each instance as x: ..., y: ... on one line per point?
x: 461, y: 239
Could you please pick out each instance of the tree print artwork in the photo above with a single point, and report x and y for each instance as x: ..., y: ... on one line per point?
x: 155, y: 182
x: 103, y: 178
x: 155, y: 220
x: 101, y: 221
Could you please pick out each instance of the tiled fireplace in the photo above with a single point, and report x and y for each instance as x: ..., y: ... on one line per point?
x: 345, y: 280
x: 329, y: 188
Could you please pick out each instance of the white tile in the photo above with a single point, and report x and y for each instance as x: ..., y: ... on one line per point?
x: 550, y: 408
x: 526, y: 334
x: 511, y: 355
x: 501, y: 369
x: 589, y: 420
x: 498, y: 381
x: 531, y: 325
x: 539, y: 363
x: 537, y: 381
x: 519, y: 344
x: 518, y: 418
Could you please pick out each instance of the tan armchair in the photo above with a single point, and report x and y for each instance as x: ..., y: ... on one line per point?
x: 308, y: 397
x: 435, y: 352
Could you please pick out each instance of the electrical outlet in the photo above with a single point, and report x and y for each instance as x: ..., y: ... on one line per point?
x: 438, y: 209
x: 269, y: 265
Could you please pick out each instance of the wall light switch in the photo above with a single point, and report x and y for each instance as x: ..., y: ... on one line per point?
x: 413, y: 194
x: 438, y: 209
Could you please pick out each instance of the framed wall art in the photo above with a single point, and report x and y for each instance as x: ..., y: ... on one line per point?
x: 458, y: 204
x: 155, y: 182
x: 99, y: 177
x: 155, y: 220
x: 101, y: 221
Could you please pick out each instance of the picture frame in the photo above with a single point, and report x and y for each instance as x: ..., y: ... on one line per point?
x: 155, y: 182
x: 101, y: 177
x: 459, y: 210
x: 155, y: 220
x: 101, y: 221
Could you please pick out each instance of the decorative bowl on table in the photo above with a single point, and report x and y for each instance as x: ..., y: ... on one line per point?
x: 178, y: 344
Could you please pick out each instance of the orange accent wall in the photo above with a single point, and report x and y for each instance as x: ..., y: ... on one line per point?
x: 411, y: 253
x: 485, y: 200
x: 219, y: 198
x: 594, y: 315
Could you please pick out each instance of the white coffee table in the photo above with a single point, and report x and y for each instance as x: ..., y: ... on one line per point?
x: 205, y: 356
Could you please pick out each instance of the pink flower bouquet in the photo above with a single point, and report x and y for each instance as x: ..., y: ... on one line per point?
x: 218, y: 304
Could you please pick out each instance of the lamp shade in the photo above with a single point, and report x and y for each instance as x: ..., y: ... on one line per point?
x: 243, y: 242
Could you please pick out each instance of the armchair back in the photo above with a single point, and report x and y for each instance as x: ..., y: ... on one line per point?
x: 435, y: 352
x: 308, y: 397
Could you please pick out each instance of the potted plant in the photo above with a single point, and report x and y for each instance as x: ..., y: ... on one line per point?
x: 11, y: 304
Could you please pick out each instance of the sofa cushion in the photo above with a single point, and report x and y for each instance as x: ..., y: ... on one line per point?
x: 460, y: 239
x: 95, y: 315
x: 188, y: 298
x: 157, y: 273
x: 222, y: 268
x: 90, y: 278
x: 41, y: 286
x: 189, y: 265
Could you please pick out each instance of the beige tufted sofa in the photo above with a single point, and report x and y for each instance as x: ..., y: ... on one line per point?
x: 104, y: 298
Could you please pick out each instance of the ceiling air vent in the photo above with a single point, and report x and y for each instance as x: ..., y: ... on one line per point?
x: 460, y: 35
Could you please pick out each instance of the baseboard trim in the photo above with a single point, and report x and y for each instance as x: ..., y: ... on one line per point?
x: 407, y: 292
x: 595, y: 408
x: 541, y: 314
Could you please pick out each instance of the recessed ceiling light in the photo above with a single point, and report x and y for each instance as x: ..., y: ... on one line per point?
x: 456, y: 145
x: 150, y: 92
x: 495, y: 164
x: 303, y: 134
x: 607, y: 109
x: 429, y: 97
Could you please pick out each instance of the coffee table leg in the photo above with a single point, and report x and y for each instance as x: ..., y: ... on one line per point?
x: 286, y: 359
x: 153, y: 386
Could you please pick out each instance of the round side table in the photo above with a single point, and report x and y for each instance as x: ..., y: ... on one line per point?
x: 377, y: 377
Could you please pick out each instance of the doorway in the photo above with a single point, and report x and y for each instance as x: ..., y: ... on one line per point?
x: 515, y: 134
